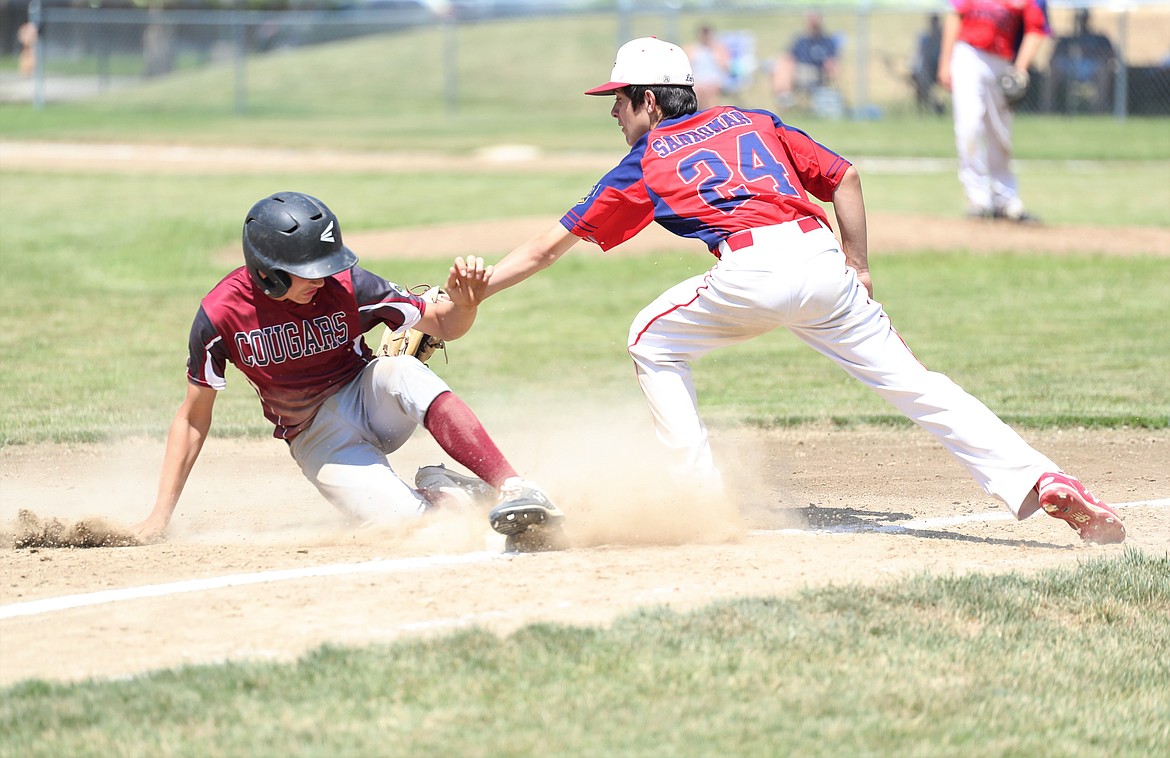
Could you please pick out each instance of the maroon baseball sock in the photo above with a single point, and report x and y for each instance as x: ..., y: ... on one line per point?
x: 458, y: 431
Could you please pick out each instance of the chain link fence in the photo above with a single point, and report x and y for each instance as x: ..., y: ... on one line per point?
x: 1106, y: 59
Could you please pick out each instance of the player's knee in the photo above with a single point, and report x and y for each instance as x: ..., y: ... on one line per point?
x: 405, y: 374
x: 652, y: 359
x: 639, y: 353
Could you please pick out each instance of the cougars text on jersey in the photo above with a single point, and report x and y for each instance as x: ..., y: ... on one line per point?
x: 294, y: 355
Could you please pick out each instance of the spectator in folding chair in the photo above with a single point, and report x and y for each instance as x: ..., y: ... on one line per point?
x: 1081, y: 70
x: 810, y: 65
x: 711, y: 64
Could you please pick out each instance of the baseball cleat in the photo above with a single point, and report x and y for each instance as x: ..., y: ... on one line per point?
x: 1016, y: 213
x: 1065, y: 498
x: 438, y: 483
x: 524, y: 506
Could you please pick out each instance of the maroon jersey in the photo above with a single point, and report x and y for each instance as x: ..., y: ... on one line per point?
x: 295, y: 356
x: 709, y: 175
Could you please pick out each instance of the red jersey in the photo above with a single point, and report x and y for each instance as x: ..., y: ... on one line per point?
x: 709, y: 175
x: 997, y: 26
x: 295, y: 356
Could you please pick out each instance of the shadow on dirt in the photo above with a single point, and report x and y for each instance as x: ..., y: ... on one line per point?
x: 854, y: 520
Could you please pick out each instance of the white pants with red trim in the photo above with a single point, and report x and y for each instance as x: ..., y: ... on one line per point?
x: 799, y: 281
x: 343, y: 452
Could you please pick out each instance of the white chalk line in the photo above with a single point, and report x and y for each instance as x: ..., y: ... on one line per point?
x: 934, y: 523
x: 376, y: 566
x: 406, y: 565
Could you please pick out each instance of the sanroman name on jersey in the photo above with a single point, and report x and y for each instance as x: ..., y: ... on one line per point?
x: 292, y: 340
x: 669, y: 143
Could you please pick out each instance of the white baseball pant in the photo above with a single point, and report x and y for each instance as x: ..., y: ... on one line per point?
x: 343, y: 452
x: 796, y: 279
x: 983, y: 130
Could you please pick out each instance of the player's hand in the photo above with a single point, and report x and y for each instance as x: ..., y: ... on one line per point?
x: 151, y: 531
x: 467, y: 281
x: 944, y: 75
x: 863, y: 278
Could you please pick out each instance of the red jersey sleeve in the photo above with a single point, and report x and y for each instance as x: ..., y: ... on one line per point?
x: 617, y: 207
x: 820, y: 169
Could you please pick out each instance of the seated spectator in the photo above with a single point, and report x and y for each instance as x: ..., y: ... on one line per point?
x: 810, y: 64
x: 741, y: 50
x: 1082, y: 69
x: 711, y: 65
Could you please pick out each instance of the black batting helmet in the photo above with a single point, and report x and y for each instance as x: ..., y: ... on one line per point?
x: 292, y: 233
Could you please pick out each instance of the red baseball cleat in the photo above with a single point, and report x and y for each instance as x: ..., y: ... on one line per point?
x: 1065, y: 498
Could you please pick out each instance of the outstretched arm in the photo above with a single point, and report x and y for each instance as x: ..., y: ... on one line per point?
x: 536, y: 254
x: 451, y: 317
x: 189, y: 429
x: 849, y: 207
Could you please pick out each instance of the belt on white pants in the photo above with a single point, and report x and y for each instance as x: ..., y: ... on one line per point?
x: 743, y: 239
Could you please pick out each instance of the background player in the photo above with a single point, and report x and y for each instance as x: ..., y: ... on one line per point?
x: 742, y: 182
x: 982, y: 40
x: 291, y: 320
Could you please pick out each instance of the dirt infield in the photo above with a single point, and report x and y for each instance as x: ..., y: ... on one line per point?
x: 259, y: 567
x: 823, y: 507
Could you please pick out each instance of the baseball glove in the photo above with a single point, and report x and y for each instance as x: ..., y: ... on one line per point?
x: 412, y: 341
x: 1014, y: 85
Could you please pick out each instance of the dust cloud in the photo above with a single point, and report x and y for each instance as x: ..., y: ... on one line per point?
x: 605, y: 469
x: 600, y: 464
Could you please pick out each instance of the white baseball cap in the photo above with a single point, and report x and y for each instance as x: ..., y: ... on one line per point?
x: 648, y: 61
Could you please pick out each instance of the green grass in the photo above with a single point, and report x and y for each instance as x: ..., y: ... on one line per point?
x: 993, y: 323
x: 108, y: 271
x: 1071, y: 663
x: 1062, y: 193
